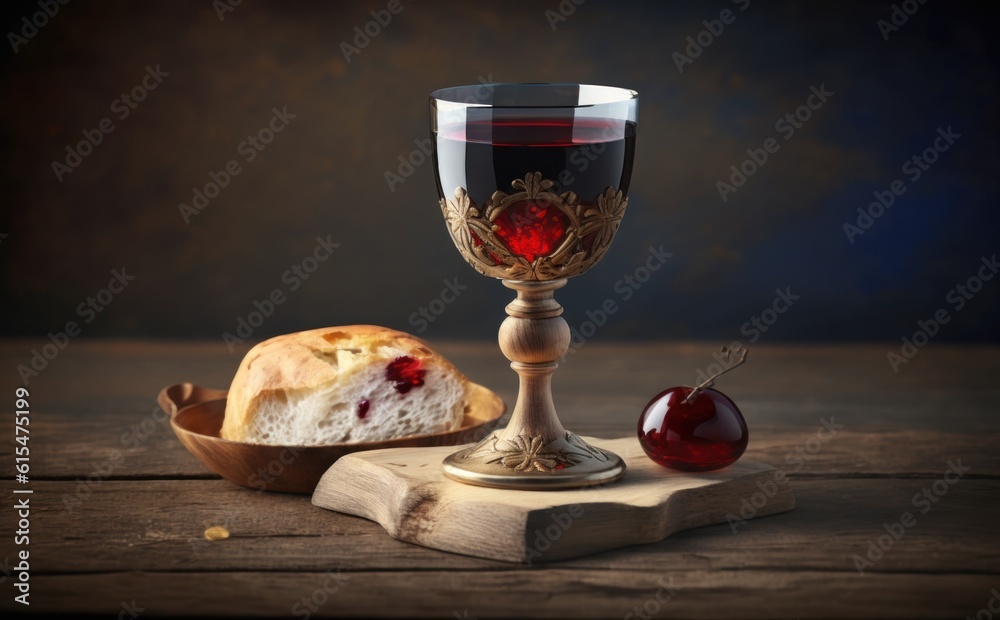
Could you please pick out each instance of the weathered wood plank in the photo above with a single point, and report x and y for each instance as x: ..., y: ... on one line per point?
x: 944, y: 387
x: 159, y: 525
x: 416, y: 503
x: 98, y: 398
x: 559, y: 593
x: 110, y: 445
x: 142, y: 540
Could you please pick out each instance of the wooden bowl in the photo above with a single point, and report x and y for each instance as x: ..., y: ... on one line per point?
x: 196, y: 415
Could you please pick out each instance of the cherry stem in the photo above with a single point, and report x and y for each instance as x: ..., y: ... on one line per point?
x: 707, y: 383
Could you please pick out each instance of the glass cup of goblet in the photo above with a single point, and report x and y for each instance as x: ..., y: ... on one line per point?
x: 533, y: 183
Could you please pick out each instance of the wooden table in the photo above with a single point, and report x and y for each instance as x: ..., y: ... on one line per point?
x: 113, y: 534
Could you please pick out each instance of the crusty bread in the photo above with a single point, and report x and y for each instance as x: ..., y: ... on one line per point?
x: 308, y: 389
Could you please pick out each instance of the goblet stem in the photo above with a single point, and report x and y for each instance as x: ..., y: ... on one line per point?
x: 533, y: 336
x: 534, y: 451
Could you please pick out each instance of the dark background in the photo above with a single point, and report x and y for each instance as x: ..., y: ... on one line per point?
x: 324, y: 175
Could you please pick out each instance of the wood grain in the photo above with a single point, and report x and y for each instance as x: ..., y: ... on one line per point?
x: 945, y: 387
x: 553, y: 593
x: 138, y: 532
x: 69, y: 445
x: 99, y: 397
x: 406, y: 492
x: 158, y: 525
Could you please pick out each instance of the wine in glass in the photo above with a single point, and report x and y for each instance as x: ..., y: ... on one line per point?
x: 533, y: 183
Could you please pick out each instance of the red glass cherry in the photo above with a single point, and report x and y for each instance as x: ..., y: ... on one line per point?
x: 705, y: 433
x: 531, y: 228
x: 693, y: 428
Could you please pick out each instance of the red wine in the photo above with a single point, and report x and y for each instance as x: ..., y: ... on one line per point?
x: 585, y: 155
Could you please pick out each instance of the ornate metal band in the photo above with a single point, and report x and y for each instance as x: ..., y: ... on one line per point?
x: 585, y: 237
x: 523, y: 453
x: 533, y: 463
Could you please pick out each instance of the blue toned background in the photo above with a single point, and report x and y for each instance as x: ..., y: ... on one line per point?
x: 324, y: 175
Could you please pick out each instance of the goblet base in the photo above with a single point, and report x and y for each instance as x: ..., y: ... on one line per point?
x: 534, y: 451
x: 534, y: 463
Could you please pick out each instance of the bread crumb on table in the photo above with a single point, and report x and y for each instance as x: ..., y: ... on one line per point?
x: 216, y: 533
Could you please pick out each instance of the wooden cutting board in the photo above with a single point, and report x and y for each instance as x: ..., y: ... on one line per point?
x: 405, y: 491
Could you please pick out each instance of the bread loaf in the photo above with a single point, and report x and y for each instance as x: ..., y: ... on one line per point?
x: 351, y: 384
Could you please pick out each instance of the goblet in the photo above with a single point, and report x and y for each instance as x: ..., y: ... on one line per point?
x: 533, y: 183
